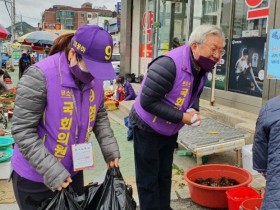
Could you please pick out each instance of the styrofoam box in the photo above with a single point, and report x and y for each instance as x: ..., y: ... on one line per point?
x: 5, y: 170
x: 247, y: 159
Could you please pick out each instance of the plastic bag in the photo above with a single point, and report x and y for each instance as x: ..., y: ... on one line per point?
x: 130, y: 77
x: 116, y: 195
x: 92, y: 195
x: 63, y: 200
x: 123, y: 193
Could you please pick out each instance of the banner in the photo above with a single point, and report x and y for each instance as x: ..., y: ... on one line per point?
x: 246, y: 73
x: 273, y: 60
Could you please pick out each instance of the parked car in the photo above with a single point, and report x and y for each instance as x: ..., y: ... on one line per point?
x: 116, y: 60
x: 5, y: 59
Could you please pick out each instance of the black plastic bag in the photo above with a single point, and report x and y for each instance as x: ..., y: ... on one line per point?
x: 63, y: 200
x: 92, y: 195
x: 116, y: 195
x: 108, y: 198
x: 123, y: 193
x: 130, y: 77
x: 139, y: 79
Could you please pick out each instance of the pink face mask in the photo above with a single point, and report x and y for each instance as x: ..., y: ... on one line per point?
x: 206, y: 63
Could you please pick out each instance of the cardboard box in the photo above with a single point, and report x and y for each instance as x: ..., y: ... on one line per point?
x: 247, y: 159
x: 5, y: 170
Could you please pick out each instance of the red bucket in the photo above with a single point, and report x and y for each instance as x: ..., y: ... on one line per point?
x: 236, y: 196
x: 252, y: 204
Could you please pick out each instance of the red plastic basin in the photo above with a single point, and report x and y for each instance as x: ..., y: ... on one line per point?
x: 214, y: 197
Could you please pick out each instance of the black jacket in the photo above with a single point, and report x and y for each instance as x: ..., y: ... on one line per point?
x: 24, y: 63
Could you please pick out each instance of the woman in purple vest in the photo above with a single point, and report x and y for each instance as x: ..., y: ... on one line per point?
x: 168, y: 100
x: 125, y: 88
x: 59, y: 104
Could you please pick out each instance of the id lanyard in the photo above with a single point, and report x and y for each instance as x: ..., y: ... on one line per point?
x: 77, y: 116
x: 81, y: 152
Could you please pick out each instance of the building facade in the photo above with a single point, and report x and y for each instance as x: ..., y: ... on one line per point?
x: 69, y: 18
x: 149, y: 28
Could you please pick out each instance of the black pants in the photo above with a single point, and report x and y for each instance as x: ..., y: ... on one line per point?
x: 29, y: 194
x: 153, y: 163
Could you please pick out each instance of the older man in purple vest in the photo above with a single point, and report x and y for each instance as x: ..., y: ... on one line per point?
x: 167, y: 100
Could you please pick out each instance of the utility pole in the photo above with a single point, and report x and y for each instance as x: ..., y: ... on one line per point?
x: 21, y: 29
x: 13, y: 9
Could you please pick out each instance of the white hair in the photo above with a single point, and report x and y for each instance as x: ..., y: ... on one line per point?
x: 200, y: 33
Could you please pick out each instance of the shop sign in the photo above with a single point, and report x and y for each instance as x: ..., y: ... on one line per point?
x: 147, y: 24
x: 146, y: 50
x: 273, y: 59
x: 119, y: 7
x: 254, y: 12
x: 56, y: 26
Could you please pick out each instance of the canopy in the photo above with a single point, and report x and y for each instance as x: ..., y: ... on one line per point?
x: 38, y: 37
x: 4, y: 34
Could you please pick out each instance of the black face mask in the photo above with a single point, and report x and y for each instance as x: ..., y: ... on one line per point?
x: 206, y: 63
x: 84, y: 77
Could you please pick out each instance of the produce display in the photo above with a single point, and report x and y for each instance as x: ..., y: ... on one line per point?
x: 221, y: 182
x: 108, y: 93
x: 111, y: 104
x: 7, y: 100
x: 109, y: 101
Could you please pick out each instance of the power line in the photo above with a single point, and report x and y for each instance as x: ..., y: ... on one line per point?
x: 7, y: 8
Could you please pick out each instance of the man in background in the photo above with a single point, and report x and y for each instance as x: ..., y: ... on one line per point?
x: 24, y: 62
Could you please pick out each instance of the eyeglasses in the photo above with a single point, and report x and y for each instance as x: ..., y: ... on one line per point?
x: 215, y: 50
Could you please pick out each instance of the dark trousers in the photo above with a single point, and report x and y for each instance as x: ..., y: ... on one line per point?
x: 29, y: 194
x: 153, y: 165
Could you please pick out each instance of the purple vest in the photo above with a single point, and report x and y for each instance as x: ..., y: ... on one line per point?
x: 179, y: 97
x: 68, y: 118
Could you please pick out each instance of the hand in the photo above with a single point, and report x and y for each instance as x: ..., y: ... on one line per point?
x: 196, y: 121
x: 65, y: 184
x: 191, y: 117
x: 113, y: 163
